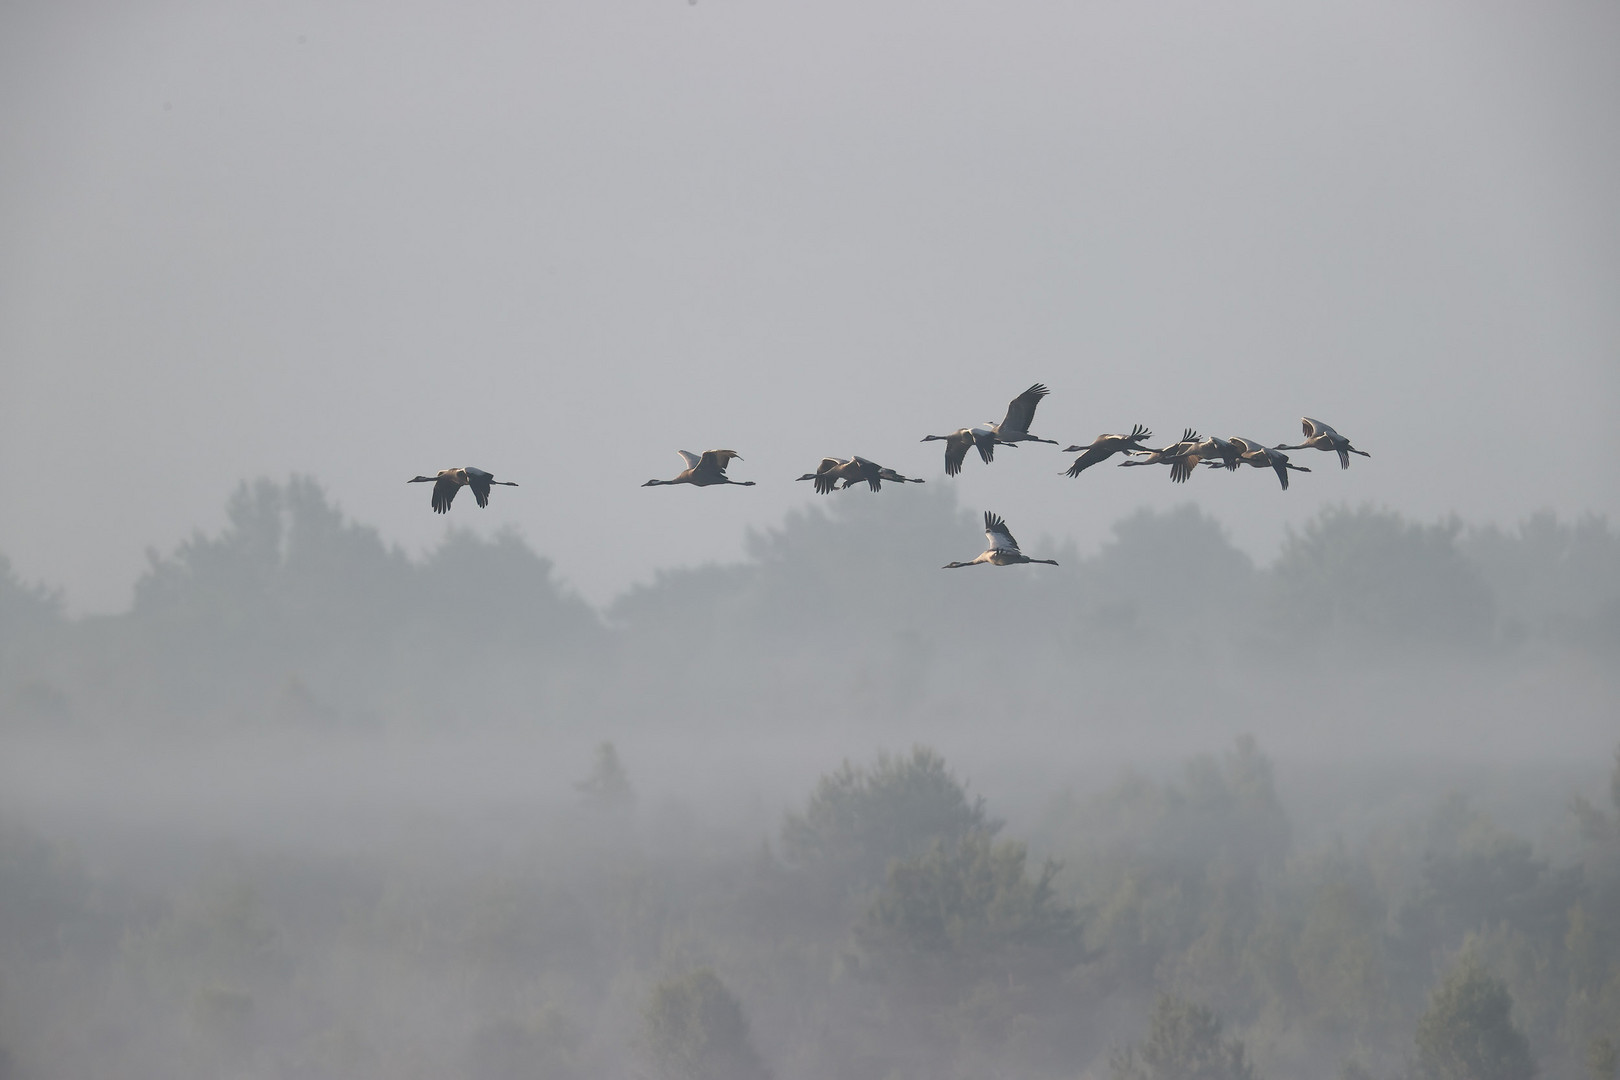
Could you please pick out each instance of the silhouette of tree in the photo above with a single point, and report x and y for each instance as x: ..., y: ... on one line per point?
x: 1375, y: 576
x: 607, y: 788
x: 25, y: 609
x: 860, y: 817
x: 1550, y: 576
x: 304, y: 614
x: 1502, y: 883
x: 1168, y: 566
x: 964, y: 912
x: 1176, y: 871
x: 32, y: 632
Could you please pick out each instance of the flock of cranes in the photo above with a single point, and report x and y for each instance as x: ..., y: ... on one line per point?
x: 1184, y: 456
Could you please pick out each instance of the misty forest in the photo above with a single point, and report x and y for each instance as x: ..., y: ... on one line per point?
x: 313, y: 807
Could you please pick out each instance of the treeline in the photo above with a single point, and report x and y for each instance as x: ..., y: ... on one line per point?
x: 292, y: 614
x: 888, y: 925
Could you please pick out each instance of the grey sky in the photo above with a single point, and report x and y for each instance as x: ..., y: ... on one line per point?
x: 560, y: 241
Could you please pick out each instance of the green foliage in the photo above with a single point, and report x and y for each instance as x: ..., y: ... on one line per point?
x: 693, y: 1028
x: 1499, y: 882
x: 1183, y: 1043
x: 1176, y: 872
x: 860, y: 817
x: 964, y: 912
x: 435, y: 954
x: 1468, y: 1033
x: 1338, y: 959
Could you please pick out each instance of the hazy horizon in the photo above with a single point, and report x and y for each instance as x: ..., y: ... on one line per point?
x: 299, y: 779
x: 561, y: 243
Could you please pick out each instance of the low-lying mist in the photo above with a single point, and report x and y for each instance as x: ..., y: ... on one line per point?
x: 314, y: 808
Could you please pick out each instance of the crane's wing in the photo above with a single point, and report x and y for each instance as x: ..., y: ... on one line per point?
x: 444, y: 492
x: 1092, y: 456
x: 1344, y: 457
x: 956, y: 448
x: 832, y: 470
x: 997, y: 533
x: 1138, y: 433
x: 718, y: 459
x: 870, y: 471
x: 985, y: 440
x: 1021, y: 409
x: 1280, y: 463
x: 690, y: 458
x: 1314, y: 427
x: 479, y: 480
